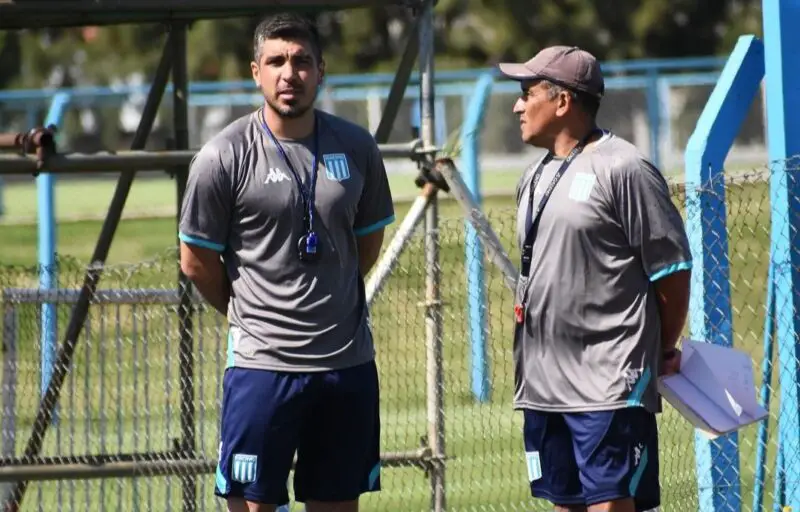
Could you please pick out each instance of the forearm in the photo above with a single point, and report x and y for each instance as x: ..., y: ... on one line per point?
x: 369, y: 250
x: 214, y: 286
x: 207, y: 272
x: 673, y: 306
x: 366, y: 262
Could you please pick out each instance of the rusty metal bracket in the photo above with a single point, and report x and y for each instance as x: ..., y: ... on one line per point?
x: 39, y: 141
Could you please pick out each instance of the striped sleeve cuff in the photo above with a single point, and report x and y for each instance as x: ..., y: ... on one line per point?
x: 199, y: 242
x: 374, y: 227
x: 671, y: 269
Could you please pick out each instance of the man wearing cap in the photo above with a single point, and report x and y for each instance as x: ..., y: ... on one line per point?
x: 602, y: 296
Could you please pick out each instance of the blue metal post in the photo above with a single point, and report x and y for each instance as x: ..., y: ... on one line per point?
x: 48, y: 273
x: 779, y: 487
x: 710, y: 320
x: 766, y: 392
x: 782, y: 64
x: 476, y: 291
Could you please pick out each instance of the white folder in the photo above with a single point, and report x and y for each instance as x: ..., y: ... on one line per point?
x: 714, y: 389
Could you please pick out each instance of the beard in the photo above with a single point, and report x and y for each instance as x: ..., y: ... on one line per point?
x: 291, y: 111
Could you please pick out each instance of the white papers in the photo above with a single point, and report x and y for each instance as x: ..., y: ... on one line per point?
x: 714, y: 389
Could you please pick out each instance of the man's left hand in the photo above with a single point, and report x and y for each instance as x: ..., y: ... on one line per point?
x: 670, y: 363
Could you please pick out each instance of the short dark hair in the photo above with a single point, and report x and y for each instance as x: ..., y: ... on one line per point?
x: 286, y: 25
x: 588, y: 103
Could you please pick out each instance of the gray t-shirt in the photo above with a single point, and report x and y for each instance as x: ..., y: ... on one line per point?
x: 591, y: 337
x: 242, y: 200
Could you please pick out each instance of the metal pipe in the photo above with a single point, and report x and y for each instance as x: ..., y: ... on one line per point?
x: 180, y: 102
x: 97, y: 459
x: 395, y: 248
x: 143, y: 160
x: 399, y: 85
x: 140, y: 296
x: 35, y: 139
x: 10, y: 140
x: 47, y: 247
x: 433, y: 316
x: 81, y: 309
x: 153, y: 464
x: 477, y: 218
x: 474, y: 113
x: 85, y: 471
x: 96, y: 162
x: 411, y: 149
x: 766, y: 389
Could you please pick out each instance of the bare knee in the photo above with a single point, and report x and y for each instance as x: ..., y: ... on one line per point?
x: 241, y: 505
x: 570, y: 508
x: 332, y: 506
x: 626, y: 505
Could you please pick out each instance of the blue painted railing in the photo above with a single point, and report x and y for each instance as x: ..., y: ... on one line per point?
x: 782, y: 72
x: 654, y: 76
x: 775, y: 61
x: 647, y: 67
x: 48, y: 270
x: 476, y: 292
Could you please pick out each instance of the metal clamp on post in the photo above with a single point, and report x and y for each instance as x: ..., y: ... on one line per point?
x: 428, y: 173
x: 39, y: 141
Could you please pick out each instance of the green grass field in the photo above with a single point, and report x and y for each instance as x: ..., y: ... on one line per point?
x: 155, y: 196
x: 123, y: 394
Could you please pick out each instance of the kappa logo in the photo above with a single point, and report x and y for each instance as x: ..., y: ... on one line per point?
x: 631, y: 376
x: 336, y: 167
x: 637, y: 453
x: 275, y: 175
x: 245, y: 468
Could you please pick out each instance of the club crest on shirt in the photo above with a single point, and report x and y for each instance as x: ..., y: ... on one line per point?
x: 581, y: 187
x: 336, y: 168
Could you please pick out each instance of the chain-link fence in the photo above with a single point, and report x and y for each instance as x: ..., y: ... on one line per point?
x: 132, y: 386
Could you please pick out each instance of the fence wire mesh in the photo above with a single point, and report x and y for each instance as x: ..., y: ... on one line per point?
x: 121, y: 399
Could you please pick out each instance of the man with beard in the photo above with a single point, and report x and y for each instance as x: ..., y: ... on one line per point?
x: 283, y: 217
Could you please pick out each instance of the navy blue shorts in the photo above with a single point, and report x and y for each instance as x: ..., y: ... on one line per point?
x: 330, y: 419
x: 596, y: 457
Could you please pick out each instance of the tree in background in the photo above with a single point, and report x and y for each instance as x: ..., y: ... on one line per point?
x: 469, y: 33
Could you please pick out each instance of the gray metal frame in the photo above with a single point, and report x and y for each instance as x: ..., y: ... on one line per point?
x: 183, y: 461
x: 27, y: 14
x: 87, y: 466
x: 126, y: 161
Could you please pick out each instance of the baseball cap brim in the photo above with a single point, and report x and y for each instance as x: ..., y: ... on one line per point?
x: 516, y: 71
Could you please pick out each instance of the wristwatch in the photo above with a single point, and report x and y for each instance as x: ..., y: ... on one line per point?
x: 669, y: 354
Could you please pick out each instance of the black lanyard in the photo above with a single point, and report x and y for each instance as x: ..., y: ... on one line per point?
x: 530, y: 236
x: 307, y: 193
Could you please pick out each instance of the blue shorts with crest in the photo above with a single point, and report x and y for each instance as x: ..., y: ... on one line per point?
x: 593, y: 457
x: 330, y: 419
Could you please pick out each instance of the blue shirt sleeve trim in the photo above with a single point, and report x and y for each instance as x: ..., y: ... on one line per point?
x: 200, y: 242
x: 374, y: 227
x: 671, y: 269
